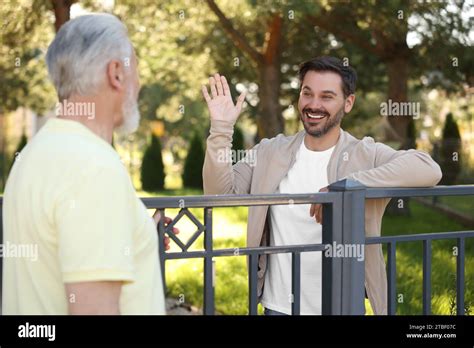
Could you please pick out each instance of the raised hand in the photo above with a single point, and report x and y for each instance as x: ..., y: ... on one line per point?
x: 220, y: 104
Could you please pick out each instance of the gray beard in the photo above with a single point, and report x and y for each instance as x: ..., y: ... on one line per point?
x: 331, y: 123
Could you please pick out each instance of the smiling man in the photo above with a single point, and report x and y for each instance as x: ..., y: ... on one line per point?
x: 308, y: 162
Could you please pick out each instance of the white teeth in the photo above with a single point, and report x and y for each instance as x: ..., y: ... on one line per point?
x: 315, y: 116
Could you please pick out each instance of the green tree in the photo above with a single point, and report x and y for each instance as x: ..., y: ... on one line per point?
x: 152, y: 170
x: 380, y: 28
x: 450, y: 151
x: 192, y: 173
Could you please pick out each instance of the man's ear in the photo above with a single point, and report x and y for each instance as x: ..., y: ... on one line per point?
x: 115, y: 75
x: 349, y: 103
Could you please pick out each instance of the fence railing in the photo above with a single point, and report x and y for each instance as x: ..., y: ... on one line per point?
x: 343, y: 289
x: 343, y: 278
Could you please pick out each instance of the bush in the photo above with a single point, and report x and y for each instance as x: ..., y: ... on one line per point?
x: 192, y: 173
x: 152, y: 170
x: 450, y: 151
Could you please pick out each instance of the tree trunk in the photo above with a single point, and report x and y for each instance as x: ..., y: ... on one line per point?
x: 269, y: 120
x: 397, y: 71
x: 62, y: 10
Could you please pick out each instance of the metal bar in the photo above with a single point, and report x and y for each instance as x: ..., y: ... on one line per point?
x: 193, y: 218
x: 1, y: 243
x: 419, y: 237
x: 355, y: 262
x: 253, y: 300
x: 295, y: 283
x: 460, y: 277
x: 455, y: 190
x: 161, y: 247
x: 353, y: 242
x: 193, y: 238
x: 331, y: 267
x: 208, y: 265
x: 245, y: 251
x: 391, y: 277
x: 427, y: 277
x: 169, y: 229
x: 216, y: 201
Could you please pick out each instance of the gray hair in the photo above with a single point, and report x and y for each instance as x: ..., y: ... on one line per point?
x: 78, y: 56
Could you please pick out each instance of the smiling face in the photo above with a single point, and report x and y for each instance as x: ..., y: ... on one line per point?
x: 322, y: 104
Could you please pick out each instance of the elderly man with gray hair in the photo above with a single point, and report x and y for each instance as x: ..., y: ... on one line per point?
x: 69, y: 193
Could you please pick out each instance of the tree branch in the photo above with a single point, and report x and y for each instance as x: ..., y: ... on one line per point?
x: 329, y: 22
x: 237, y: 38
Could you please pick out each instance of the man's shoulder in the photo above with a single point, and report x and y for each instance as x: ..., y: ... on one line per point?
x: 72, y: 157
x: 366, y: 143
x: 73, y: 148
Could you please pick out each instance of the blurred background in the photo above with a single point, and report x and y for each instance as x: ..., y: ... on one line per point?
x: 403, y: 51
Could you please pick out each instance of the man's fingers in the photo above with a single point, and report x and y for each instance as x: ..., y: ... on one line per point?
x: 319, y: 214
x: 205, y: 94
x: 220, y: 89
x: 212, y: 82
x: 168, y: 220
x: 157, y: 216
x: 240, y: 100
x: 225, y: 85
x: 312, y: 209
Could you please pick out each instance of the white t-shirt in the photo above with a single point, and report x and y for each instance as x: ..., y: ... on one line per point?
x: 292, y: 225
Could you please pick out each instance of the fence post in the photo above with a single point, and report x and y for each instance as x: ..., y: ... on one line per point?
x: 352, y: 250
x: 1, y: 242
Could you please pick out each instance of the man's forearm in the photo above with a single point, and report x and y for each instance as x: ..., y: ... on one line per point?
x: 412, y: 169
x: 217, y: 169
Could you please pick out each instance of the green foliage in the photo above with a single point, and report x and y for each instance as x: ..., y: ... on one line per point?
x: 26, y: 33
x: 192, y: 173
x: 152, y: 170
x: 450, y: 151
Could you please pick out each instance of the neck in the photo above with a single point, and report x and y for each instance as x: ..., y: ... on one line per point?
x: 324, y: 142
x: 89, y: 112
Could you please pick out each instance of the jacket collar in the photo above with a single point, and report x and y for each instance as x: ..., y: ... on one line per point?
x: 344, y: 139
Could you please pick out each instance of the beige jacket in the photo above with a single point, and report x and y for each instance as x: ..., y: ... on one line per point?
x: 372, y: 164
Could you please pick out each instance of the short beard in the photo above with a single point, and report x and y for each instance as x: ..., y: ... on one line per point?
x: 131, y: 115
x: 330, y: 124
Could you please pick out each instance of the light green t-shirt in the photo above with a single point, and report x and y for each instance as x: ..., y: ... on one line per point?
x: 70, y: 198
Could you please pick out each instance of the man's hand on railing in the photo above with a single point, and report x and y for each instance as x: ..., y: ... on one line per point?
x: 316, y: 210
x: 157, y: 217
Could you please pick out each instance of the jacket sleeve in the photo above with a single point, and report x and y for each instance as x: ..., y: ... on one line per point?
x: 219, y: 175
x: 403, y: 168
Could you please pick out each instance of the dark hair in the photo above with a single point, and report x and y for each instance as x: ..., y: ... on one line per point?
x: 328, y: 63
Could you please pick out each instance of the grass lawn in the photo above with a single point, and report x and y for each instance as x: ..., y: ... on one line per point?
x: 185, y: 277
x: 463, y: 204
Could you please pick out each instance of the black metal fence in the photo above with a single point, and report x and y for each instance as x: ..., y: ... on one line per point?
x: 343, y: 287
x: 343, y: 278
